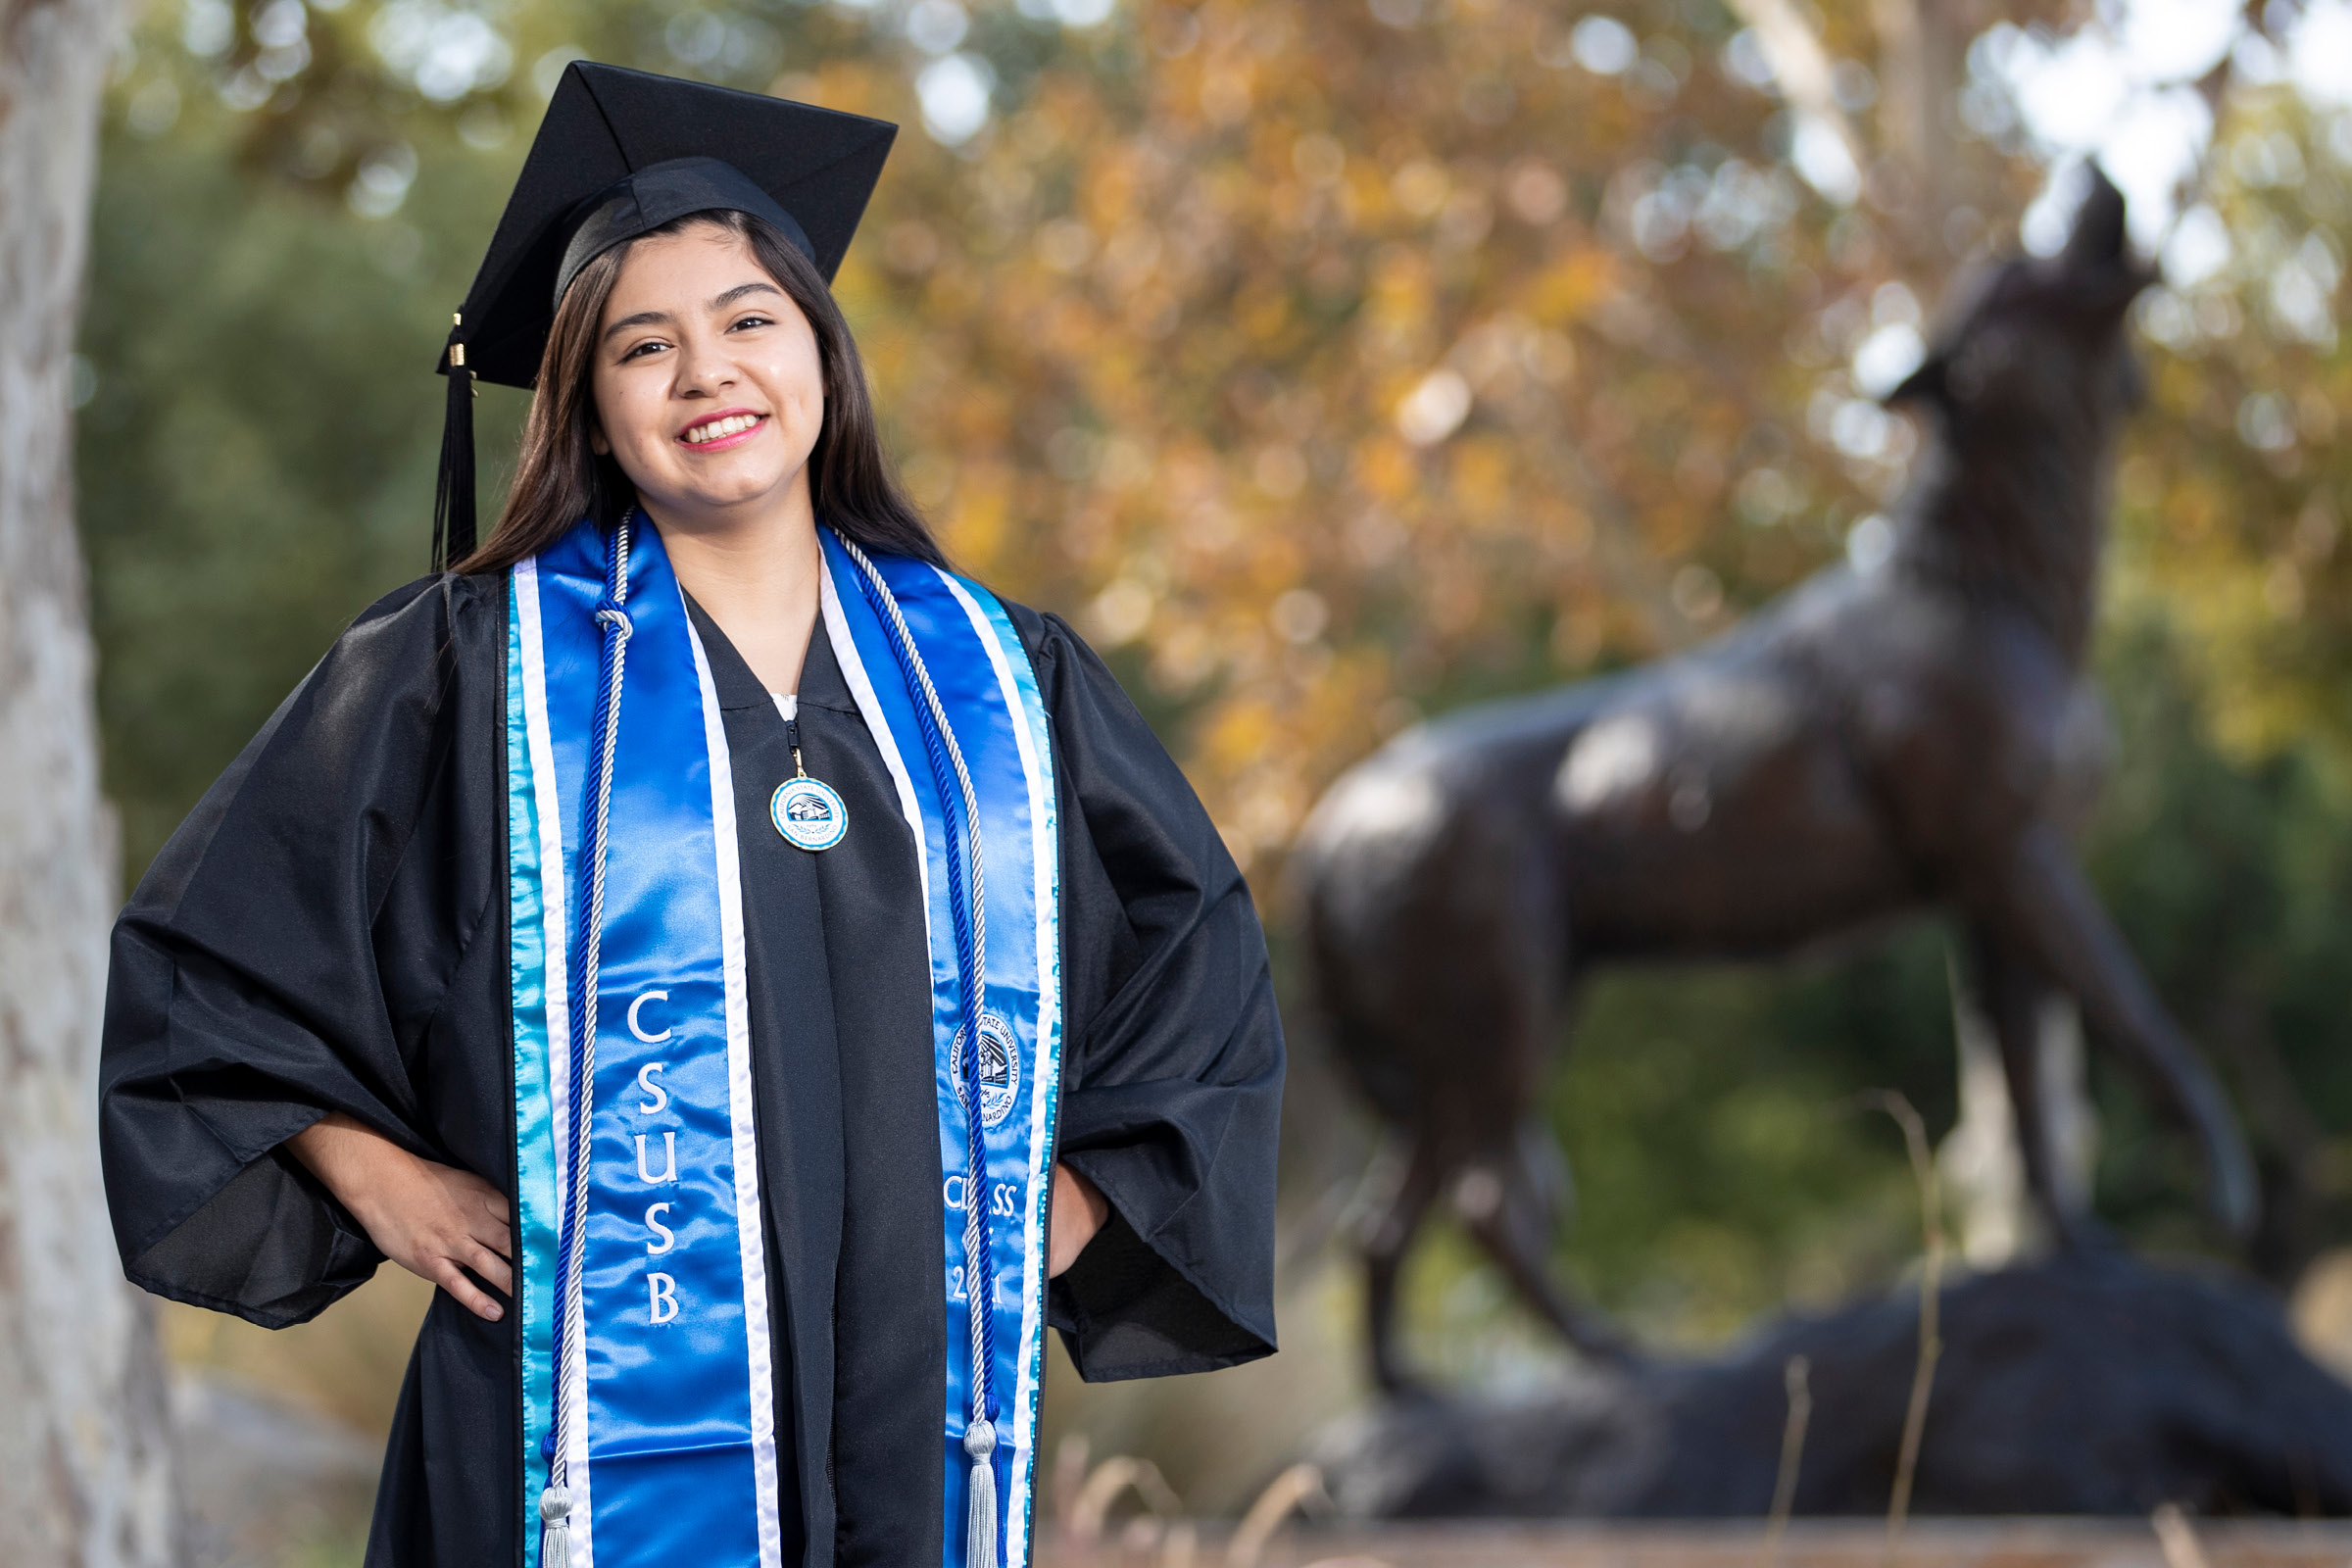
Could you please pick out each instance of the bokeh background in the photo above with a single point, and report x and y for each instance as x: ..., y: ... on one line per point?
x: 1329, y: 363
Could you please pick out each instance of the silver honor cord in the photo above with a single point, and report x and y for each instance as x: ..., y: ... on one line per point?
x: 979, y: 1272
x: 554, y: 1503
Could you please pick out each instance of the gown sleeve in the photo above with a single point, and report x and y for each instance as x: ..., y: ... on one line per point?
x: 1172, y: 1078
x: 281, y: 960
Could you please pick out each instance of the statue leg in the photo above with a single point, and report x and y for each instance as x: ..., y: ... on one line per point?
x: 1449, y: 1026
x: 2014, y: 995
x: 1510, y: 1199
x: 1510, y: 1181
x: 1385, y: 1238
x: 2041, y: 905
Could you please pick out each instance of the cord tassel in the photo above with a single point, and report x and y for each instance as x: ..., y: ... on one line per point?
x: 555, y: 1543
x: 453, y: 492
x: 980, y: 1538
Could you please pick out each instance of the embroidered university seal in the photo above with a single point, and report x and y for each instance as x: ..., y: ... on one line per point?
x: 999, y: 1069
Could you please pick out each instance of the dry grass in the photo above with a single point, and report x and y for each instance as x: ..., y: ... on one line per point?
x: 1931, y: 1301
x: 1797, y: 1374
x: 1159, y: 1536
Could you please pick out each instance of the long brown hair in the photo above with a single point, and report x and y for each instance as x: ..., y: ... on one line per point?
x: 559, y: 478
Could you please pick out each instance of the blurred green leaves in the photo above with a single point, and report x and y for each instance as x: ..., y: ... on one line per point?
x: 259, y: 447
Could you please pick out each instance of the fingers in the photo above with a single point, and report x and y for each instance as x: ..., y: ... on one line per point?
x: 464, y: 1227
x: 494, y: 1203
x: 470, y: 1295
x: 491, y: 1230
x: 492, y: 1267
x: 1079, y: 1211
x: 434, y: 1220
x: 483, y: 1211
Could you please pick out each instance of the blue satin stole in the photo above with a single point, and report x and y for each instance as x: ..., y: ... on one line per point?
x: 673, y: 1456
x: 989, y: 690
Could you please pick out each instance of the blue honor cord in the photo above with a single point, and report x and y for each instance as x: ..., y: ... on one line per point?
x: 960, y: 804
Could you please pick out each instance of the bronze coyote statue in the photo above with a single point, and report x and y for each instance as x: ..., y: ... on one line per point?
x: 1874, y: 744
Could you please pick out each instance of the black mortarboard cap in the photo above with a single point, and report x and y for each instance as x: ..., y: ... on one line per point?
x: 619, y: 153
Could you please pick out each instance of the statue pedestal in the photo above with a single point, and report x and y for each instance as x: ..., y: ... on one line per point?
x: 2086, y: 1384
x: 1808, y: 1543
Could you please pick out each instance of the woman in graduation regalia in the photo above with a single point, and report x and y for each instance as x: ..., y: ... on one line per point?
x: 762, y: 978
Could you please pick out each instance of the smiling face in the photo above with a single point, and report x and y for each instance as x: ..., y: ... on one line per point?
x: 708, y: 389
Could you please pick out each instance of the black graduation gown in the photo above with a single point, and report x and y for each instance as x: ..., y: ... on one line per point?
x: 328, y: 931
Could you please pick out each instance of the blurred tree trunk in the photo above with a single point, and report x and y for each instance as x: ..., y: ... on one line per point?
x: 1920, y: 53
x: 85, y: 1458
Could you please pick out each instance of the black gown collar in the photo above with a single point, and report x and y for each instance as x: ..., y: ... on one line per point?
x: 822, y: 684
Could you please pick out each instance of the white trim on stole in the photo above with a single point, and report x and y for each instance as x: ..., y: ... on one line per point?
x: 554, y: 914
x: 1045, y: 862
x: 741, y: 1113
x: 869, y: 709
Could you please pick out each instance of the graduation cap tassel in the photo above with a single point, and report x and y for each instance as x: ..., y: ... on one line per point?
x: 980, y: 1535
x: 453, y: 494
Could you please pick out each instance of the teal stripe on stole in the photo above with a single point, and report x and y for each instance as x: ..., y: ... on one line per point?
x: 534, y: 1099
